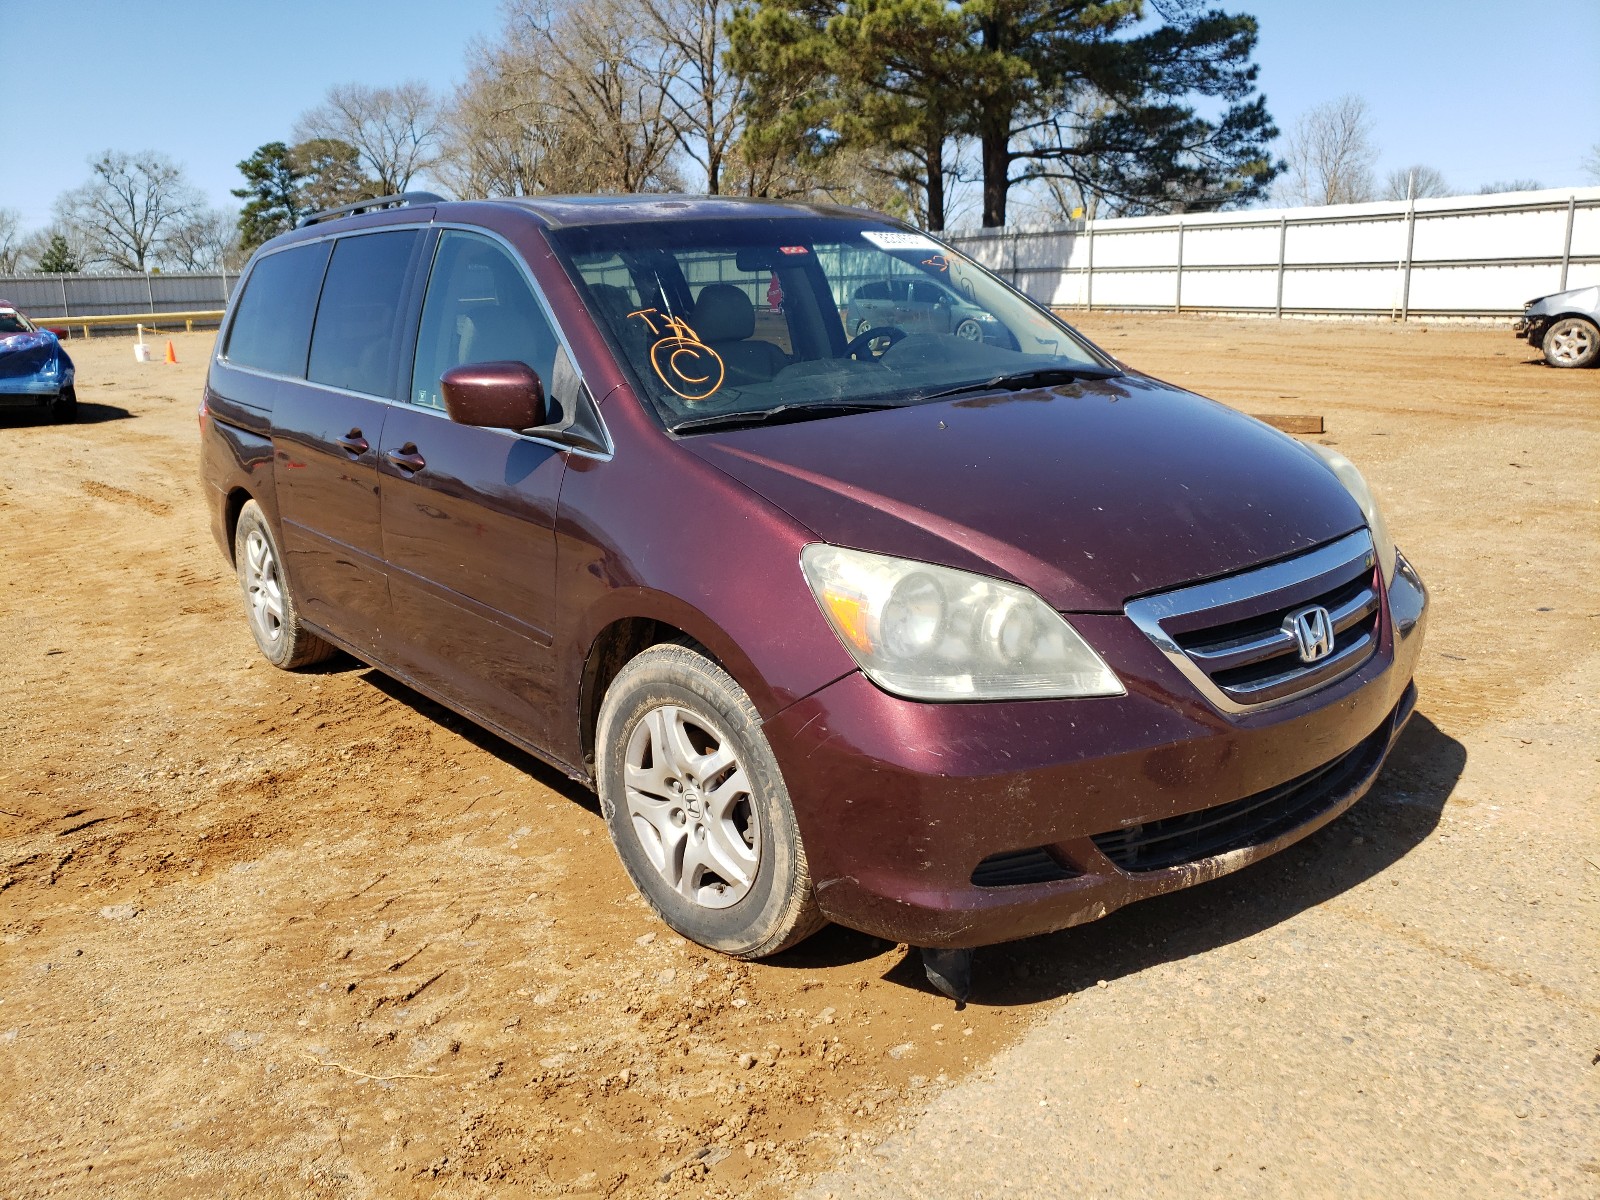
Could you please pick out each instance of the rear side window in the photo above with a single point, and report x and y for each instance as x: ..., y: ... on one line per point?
x: 272, y: 324
x: 352, y: 346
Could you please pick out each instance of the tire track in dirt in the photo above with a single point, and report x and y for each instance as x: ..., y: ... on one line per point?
x: 331, y: 876
x: 117, y: 495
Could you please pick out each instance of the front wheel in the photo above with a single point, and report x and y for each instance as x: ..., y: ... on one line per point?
x: 64, y: 408
x: 697, y: 807
x: 1571, y: 342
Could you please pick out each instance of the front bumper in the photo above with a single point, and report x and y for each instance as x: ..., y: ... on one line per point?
x: 900, y: 802
x: 1530, y: 329
x: 33, y: 387
x: 30, y: 388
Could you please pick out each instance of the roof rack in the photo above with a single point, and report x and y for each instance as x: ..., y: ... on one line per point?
x: 361, y: 206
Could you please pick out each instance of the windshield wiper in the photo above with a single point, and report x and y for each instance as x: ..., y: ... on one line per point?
x: 780, y: 413
x: 1020, y: 380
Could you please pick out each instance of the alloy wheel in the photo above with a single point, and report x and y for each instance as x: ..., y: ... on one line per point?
x: 1570, y: 342
x: 263, y: 589
x: 689, y: 803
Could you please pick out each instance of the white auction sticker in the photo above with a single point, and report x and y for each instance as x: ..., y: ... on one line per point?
x: 896, y: 240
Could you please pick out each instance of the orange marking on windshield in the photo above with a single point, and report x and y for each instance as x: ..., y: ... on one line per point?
x: 690, y: 368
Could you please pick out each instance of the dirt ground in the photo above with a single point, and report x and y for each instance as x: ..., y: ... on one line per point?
x: 311, y: 934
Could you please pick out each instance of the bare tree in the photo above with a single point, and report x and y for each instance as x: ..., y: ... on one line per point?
x: 603, y: 72
x: 128, y: 209
x: 1331, y: 155
x: 11, y: 241
x: 1509, y: 185
x: 505, y: 135
x: 1591, y: 163
x: 1424, y: 183
x: 207, y: 241
x: 702, y: 96
x: 395, y: 130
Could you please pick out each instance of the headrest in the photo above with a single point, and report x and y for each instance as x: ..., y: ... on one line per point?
x: 723, y: 313
x: 614, y: 301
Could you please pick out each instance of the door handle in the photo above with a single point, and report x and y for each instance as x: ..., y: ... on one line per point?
x: 354, y: 444
x: 406, y: 458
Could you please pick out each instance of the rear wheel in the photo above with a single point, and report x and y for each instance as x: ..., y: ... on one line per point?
x: 64, y: 408
x: 268, y: 603
x: 697, y: 807
x: 1571, y: 342
x: 969, y: 331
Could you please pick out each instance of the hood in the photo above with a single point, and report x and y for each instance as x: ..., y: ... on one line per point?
x: 1584, y: 299
x: 26, y: 353
x: 1089, y: 493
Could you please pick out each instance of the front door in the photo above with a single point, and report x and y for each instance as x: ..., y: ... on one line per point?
x: 469, y: 514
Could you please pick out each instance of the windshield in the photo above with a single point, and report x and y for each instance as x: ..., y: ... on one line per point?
x: 12, y: 321
x: 735, y: 321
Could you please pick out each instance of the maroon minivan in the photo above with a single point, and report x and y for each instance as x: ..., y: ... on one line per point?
x: 951, y: 639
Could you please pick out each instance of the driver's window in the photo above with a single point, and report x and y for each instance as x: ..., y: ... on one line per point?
x: 479, y: 309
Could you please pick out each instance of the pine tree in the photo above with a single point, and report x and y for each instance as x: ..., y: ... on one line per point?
x: 58, y: 258
x: 271, y: 193
x: 1091, y: 92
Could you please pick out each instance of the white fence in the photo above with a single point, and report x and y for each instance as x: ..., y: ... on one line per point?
x: 1461, y: 256
x: 48, y: 297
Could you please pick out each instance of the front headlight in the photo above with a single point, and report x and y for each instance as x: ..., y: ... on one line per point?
x: 932, y: 633
x: 1345, y: 471
x: 52, y: 366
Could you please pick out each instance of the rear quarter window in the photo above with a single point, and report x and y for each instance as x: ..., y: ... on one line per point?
x: 272, y: 325
x: 357, y: 326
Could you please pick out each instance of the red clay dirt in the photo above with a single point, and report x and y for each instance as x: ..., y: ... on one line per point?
x: 312, y: 934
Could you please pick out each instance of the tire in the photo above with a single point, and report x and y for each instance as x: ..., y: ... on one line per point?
x: 269, y: 605
x: 1571, y: 342
x: 969, y: 330
x: 64, y: 408
x: 726, y: 867
x: 862, y: 326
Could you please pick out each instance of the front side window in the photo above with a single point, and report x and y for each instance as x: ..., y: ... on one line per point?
x: 271, y: 327
x: 479, y: 309
x: 725, y: 318
x: 353, y: 343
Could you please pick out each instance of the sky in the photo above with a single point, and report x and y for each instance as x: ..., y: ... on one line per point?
x: 1469, y: 87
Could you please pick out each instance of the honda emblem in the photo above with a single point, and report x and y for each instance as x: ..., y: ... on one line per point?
x: 1312, y: 630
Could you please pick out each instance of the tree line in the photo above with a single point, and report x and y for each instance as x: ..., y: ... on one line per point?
x: 1332, y: 152
x: 934, y: 110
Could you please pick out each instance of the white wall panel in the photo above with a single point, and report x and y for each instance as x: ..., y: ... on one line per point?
x: 1134, y: 247
x: 1222, y: 245
x: 1229, y: 289
x: 1341, y: 259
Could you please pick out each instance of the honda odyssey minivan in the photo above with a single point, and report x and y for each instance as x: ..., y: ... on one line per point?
x: 949, y: 640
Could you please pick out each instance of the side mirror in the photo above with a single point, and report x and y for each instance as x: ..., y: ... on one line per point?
x: 497, y: 395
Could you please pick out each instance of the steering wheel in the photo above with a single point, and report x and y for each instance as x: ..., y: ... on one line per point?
x: 863, y: 341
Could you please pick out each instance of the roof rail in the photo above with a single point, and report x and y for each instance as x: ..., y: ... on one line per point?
x: 361, y: 206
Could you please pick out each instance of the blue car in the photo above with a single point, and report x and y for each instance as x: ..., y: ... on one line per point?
x: 35, y: 371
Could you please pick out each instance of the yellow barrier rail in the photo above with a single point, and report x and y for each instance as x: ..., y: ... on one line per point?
x: 152, y: 322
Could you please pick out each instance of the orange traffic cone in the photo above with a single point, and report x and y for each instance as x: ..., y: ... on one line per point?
x: 172, y: 355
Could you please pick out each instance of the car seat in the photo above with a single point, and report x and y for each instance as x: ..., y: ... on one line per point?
x: 725, y: 319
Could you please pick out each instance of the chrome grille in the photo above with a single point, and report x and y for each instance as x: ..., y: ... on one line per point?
x: 1234, y: 638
